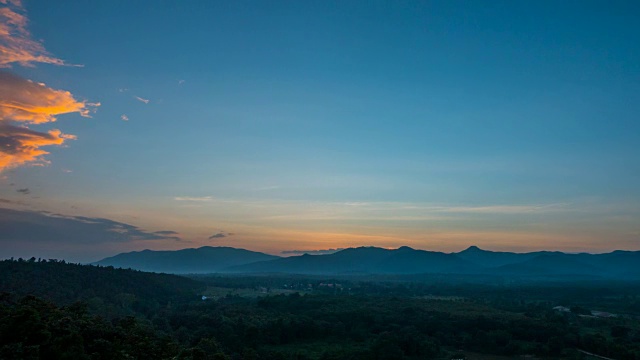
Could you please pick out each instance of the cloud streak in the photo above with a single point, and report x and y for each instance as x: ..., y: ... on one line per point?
x: 12, y: 202
x: 41, y: 227
x: 503, y: 209
x: 311, y: 252
x: 146, y: 101
x: 166, y: 232
x: 193, y: 199
x: 220, y: 234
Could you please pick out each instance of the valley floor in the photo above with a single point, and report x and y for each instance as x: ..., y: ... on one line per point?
x: 53, y: 310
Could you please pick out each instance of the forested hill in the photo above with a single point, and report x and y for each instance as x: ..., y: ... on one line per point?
x: 56, y: 310
x: 101, y: 287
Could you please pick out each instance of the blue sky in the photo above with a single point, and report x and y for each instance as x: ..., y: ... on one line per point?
x: 510, y: 125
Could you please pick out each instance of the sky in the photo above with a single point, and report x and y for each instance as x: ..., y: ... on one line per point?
x: 287, y: 126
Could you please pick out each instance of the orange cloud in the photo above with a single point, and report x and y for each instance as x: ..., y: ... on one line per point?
x: 28, y: 102
x: 20, y: 146
x: 25, y: 101
x: 16, y: 44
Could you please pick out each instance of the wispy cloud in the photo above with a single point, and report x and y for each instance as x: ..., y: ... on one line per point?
x: 220, y: 234
x: 16, y: 43
x: 40, y: 227
x: 192, y: 198
x: 11, y: 202
x: 124, y: 117
x: 166, y: 232
x: 267, y: 188
x: 311, y: 252
x: 146, y: 101
x: 502, y: 209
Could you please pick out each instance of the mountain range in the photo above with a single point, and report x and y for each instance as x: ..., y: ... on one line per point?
x: 373, y: 260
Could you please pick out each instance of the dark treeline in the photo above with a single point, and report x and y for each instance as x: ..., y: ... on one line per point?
x: 32, y: 328
x: 53, y: 310
x: 106, y: 290
x: 619, y: 297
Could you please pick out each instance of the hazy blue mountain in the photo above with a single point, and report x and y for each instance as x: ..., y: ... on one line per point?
x: 615, y: 265
x: 552, y: 263
x: 618, y: 263
x: 206, y: 259
x: 374, y: 260
x: 370, y: 260
x: 491, y: 259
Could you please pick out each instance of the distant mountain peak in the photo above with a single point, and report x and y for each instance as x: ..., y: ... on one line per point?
x: 472, y: 248
x: 405, y: 248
